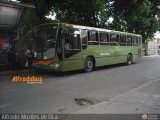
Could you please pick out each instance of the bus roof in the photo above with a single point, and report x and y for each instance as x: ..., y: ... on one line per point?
x: 97, y: 29
x: 89, y: 28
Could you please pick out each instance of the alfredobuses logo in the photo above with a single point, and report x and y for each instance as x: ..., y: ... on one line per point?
x: 28, y: 79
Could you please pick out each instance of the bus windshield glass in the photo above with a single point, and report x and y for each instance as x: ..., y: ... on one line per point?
x: 45, y: 38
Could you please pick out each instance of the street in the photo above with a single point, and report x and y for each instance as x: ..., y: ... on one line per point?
x: 73, y: 92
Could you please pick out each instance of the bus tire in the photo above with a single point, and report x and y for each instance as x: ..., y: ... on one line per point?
x: 129, y: 59
x: 89, y: 64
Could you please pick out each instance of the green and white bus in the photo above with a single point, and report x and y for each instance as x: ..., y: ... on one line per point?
x: 65, y: 47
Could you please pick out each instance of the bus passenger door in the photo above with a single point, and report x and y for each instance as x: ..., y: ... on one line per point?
x: 72, y: 50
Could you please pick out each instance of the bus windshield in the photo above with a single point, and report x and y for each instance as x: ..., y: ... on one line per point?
x: 45, y: 38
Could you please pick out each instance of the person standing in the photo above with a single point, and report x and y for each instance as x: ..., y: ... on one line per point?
x: 12, y: 59
x: 30, y: 55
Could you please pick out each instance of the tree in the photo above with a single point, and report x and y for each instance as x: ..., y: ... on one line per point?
x: 137, y: 16
x: 102, y: 14
x: 42, y: 8
x: 143, y: 20
x: 77, y: 12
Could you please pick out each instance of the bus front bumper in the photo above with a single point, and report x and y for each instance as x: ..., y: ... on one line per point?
x: 51, y: 67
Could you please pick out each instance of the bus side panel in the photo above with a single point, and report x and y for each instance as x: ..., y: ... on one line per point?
x: 137, y: 54
x: 74, y: 62
x: 106, y: 55
x: 111, y: 55
x: 123, y: 53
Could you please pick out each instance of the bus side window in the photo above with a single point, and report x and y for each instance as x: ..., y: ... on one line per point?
x: 84, y: 36
x: 72, y: 39
x: 139, y: 41
x: 104, y: 38
x: 122, y: 40
x: 67, y: 44
x: 93, y: 38
x: 114, y: 40
x: 59, y: 45
x: 129, y: 41
x: 107, y: 38
x: 72, y: 44
x: 134, y: 41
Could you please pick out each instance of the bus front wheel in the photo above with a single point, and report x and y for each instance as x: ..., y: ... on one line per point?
x: 88, y: 65
x: 129, y: 59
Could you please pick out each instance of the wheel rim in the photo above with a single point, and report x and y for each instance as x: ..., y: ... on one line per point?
x: 89, y: 65
x: 129, y: 60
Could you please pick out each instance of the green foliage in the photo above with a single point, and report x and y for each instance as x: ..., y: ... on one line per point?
x: 31, y: 17
x: 101, y: 13
x: 77, y: 12
x: 143, y: 20
x: 137, y: 16
x: 43, y: 7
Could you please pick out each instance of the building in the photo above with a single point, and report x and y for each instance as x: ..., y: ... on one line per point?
x: 10, y: 13
x: 153, y: 46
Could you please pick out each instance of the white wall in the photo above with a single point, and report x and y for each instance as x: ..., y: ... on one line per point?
x: 152, y: 48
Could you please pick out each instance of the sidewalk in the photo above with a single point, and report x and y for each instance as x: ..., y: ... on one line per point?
x: 141, y: 103
x: 144, y: 99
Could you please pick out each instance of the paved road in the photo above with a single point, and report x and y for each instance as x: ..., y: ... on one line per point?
x: 74, y: 91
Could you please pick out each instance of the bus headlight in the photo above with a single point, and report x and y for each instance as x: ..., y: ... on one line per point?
x: 56, y: 65
x: 52, y: 65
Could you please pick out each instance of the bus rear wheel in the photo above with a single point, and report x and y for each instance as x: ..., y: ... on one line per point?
x: 88, y: 65
x: 129, y: 59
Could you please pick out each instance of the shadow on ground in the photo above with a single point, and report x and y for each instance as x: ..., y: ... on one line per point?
x: 70, y: 73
